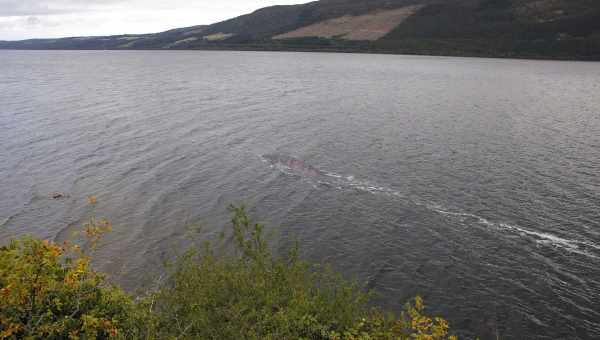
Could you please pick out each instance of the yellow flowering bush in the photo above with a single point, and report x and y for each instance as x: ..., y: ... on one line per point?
x: 51, y: 291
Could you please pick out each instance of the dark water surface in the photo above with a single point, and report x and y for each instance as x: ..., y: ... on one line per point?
x: 474, y: 182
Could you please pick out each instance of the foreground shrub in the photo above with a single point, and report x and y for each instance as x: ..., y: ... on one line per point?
x: 49, y: 291
x: 256, y: 295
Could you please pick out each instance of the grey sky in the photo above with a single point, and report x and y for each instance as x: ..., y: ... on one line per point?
x: 24, y: 19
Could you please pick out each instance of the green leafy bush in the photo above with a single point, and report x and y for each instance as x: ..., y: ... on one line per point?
x: 49, y: 291
x: 256, y: 295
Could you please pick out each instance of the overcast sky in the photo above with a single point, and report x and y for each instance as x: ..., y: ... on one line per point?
x: 24, y: 19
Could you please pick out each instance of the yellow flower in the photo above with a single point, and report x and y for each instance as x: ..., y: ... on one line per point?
x: 92, y: 200
x: 5, y: 291
x: 114, y: 333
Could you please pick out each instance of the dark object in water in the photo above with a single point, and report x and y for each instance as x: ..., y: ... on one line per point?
x: 58, y: 195
x: 295, y: 165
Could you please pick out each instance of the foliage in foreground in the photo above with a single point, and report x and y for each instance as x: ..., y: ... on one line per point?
x: 49, y: 291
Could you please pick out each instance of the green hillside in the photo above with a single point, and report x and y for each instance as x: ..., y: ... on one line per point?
x: 504, y: 28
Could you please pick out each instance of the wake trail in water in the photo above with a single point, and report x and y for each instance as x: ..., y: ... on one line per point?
x: 317, y: 177
x: 293, y: 166
x: 542, y: 238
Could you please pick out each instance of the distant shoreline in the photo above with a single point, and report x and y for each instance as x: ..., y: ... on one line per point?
x: 258, y: 48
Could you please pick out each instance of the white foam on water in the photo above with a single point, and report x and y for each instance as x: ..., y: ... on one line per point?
x: 352, y: 183
x: 542, y: 238
x: 281, y: 167
x: 342, y: 182
x: 331, y: 174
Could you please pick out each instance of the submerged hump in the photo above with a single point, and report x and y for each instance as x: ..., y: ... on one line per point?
x: 295, y: 165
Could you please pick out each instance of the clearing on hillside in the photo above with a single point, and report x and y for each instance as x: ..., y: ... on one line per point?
x: 370, y: 26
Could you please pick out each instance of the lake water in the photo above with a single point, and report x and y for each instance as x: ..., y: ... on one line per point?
x: 473, y: 182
